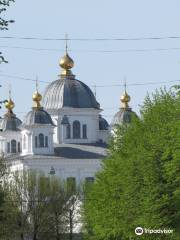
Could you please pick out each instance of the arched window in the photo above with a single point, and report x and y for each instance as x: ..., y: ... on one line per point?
x: 68, y: 131
x: 84, y: 131
x: 19, y: 147
x: 13, y: 146
x: 41, y: 140
x: 36, y: 141
x: 24, y: 141
x: 76, y: 129
x: 46, y: 141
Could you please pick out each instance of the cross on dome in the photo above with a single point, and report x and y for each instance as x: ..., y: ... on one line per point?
x: 9, y: 104
x: 125, y: 98
x: 66, y: 62
x: 37, y: 97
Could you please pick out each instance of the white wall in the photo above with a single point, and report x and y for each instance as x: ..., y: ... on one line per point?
x: 7, y: 137
x: 64, y: 168
x: 104, y: 135
x: 90, y: 117
x: 29, y: 134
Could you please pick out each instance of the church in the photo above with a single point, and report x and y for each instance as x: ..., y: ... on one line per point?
x: 64, y: 133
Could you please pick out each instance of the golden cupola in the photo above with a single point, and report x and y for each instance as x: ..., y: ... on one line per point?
x: 125, y: 98
x: 9, y: 104
x: 37, y: 97
x: 66, y: 63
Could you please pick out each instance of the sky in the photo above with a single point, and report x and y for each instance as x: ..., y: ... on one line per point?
x: 100, y: 63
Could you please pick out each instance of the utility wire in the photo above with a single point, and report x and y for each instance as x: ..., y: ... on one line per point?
x: 100, y: 86
x: 104, y: 108
x: 103, y: 115
x: 137, y: 84
x: 91, y: 39
x: 95, y: 51
x: 22, y: 78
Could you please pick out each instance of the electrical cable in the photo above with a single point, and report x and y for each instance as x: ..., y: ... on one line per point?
x: 91, y: 39
x: 95, y: 51
x: 99, y: 86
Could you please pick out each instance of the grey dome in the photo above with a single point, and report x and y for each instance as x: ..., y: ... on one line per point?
x: 103, y: 124
x: 68, y: 93
x: 123, y: 116
x: 10, y: 122
x: 37, y: 116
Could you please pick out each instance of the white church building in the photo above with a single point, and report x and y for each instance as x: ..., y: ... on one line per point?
x: 65, y: 135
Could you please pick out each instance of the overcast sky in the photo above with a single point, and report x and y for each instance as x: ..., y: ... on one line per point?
x: 96, y: 62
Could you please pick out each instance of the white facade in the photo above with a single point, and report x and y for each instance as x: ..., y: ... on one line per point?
x: 37, y: 139
x: 75, y: 161
x: 88, y: 126
x: 10, y: 142
x: 79, y: 169
x: 103, y: 136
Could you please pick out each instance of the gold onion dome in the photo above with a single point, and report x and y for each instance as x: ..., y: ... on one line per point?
x: 125, y: 99
x: 37, y: 97
x: 9, y: 105
x: 66, y: 63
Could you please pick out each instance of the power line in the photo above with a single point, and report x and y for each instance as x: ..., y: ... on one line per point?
x: 100, y: 86
x: 35, y: 49
x: 95, y: 51
x: 104, y: 108
x: 103, y: 115
x: 92, y: 39
x: 137, y: 84
x: 22, y: 78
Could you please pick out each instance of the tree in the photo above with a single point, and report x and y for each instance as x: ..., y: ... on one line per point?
x: 140, y: 183
x: 56, y: 226
x: 30, y: 194
x: 64, y: 210
x: 38, y: 207
x: 4, y: 23
x: 3, y: 172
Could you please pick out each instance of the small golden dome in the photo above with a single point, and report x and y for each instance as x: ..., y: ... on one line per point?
x: 66, y: 62
x: 37, y: 97
x: 9, y: 104
x: 125, y: 98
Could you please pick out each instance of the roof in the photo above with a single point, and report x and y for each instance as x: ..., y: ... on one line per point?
x: 103, y: 124
x: 10, y: 122
x: 37, y: 116
x: 70, y: 151
x: 123, y: 116
x: 67, y: 92
x: 77, y: 151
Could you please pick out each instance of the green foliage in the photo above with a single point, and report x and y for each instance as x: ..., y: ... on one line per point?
x: 140, y: 181
x: 3, y: 172
x: 36, y: 207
